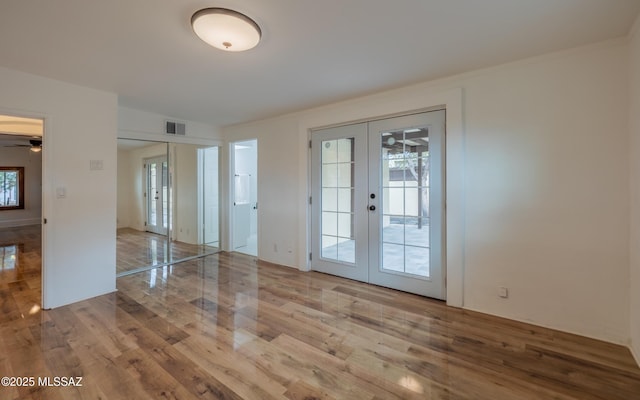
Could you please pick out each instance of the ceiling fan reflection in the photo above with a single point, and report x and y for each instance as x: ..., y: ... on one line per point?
x: 34, y: 145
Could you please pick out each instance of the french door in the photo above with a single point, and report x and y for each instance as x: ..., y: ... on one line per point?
x: 378, y: 202
x: 157, y: 182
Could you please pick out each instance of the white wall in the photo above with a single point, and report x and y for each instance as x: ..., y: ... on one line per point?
x: 80, y: 125
x: 32, y: 163
x: 136, y: 124
x: 185, y: 187
x: 543, y: 188
x: 278, y: 188
x: 547, y: 197
x: 634, y: 129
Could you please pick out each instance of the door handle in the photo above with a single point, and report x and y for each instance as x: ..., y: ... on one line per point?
x: 372, y: 208
x: 156, y: 198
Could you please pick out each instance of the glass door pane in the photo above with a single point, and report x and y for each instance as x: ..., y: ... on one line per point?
x: 338, y: 242
x: 153, y: 194
x: 378, y: 202
x: 339, y: 213
x: 158, y: 195
x: 405, y: 201
x: 406, y: 178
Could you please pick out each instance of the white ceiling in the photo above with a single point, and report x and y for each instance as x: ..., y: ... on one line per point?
x: 312, y: 52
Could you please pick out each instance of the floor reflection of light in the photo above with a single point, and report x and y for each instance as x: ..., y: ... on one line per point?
x: 154, y: 251
x: 8, y: 257
x: 411, y: 383
x: 152, y: 278
x: 34, y: 310
x: 240, y: 337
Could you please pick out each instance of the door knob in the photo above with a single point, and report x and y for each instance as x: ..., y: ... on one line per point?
x: 372, y: 208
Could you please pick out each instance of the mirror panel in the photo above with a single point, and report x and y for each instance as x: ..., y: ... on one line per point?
x: 168, y: 203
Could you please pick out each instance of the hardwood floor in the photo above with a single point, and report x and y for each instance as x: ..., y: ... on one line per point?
x: 136, y: 249
x: 20, y: 277
x: 228, y: 327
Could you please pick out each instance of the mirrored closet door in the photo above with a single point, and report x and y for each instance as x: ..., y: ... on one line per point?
x: 168, y: 203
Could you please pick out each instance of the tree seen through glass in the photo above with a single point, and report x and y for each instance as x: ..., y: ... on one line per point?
x: 9, y: 188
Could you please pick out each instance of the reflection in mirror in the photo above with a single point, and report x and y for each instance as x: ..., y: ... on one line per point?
x: 167, y: 204
x: 194, y: 169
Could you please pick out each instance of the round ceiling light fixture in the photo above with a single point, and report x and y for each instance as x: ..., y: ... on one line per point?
x: 226, y: 29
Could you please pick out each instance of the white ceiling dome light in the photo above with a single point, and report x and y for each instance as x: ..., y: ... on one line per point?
x: 226, y: 29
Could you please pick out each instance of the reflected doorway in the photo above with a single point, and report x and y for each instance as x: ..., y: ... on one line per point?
x: 157, y: 195
x: 209, y: 205
x: 244, y: 187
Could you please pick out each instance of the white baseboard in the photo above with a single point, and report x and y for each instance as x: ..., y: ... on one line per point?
x: 12, y: 223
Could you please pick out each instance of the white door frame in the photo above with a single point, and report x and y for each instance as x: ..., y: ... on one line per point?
x: 45, y: 240
x: 201, y: 193
x: 162, y: 230
x: 231, y: 195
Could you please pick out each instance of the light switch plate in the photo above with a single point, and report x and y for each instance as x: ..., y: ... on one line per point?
x: 95, y: 165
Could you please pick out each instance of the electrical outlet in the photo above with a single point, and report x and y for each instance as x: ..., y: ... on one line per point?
x: 503, y: 292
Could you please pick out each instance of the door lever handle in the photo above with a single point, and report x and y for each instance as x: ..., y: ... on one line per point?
x: 372, y: 208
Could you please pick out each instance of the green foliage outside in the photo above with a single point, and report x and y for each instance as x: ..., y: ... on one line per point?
x: 8, y: 188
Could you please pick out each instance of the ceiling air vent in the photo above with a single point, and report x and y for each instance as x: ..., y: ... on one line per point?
x: 175, y: 128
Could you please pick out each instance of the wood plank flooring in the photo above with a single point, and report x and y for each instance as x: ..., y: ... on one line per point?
x: 135, y: 249
x: 230, y: 327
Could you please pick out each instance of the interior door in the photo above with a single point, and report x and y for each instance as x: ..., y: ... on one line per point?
x: 157, y: 195
x: 378, y: 202
x: 211, y: 207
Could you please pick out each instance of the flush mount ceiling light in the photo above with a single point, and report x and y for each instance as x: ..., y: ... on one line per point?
x: 226, y: 29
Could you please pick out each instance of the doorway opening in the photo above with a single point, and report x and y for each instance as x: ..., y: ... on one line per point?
x: 244, y: 191
x: 21, y: 209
